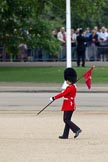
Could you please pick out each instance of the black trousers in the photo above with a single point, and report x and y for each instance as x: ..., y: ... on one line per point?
x: 69, y: 124
x: 81, y: 57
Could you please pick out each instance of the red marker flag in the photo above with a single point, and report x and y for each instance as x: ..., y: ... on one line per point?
x: 88, y: 77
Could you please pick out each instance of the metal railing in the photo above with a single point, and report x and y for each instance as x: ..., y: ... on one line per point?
x: 35, y: 55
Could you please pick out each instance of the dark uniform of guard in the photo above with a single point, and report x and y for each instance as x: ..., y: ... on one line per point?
x: 81, y: 47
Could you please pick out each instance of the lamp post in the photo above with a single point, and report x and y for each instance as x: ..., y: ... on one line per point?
x: 68, y: 34
x: 68, y: 38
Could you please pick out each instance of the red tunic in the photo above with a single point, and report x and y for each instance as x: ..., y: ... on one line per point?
x: 69, y: 95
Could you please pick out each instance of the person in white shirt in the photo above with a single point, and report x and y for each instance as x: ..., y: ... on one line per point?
x: 103, y: 35
x: 103, y: 43
x: 61, y: 36
x: 73, y: 43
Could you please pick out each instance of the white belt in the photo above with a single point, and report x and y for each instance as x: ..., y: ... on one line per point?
x: 71, y: 100
x: 68, y: 98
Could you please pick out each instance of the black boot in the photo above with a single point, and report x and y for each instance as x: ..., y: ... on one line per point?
x: 77, y: 133
x: 63, y: 137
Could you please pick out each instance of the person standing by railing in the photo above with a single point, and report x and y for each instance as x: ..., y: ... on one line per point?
x: 93, y: 45
x: 103, y: 42
x: 81, y: 47
x: 61, y: 36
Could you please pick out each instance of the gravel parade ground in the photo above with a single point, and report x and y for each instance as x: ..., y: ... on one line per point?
x: 26, y: 137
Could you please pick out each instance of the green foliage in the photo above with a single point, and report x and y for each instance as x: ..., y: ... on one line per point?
x: 21, y: 23
x: 13, y: 17
x: 31, y: 21
x: 86, y: 13
x: 40, y: 36
x: 83, y: 13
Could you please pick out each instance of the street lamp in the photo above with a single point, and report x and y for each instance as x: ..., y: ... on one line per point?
x: 68, y: 38
x: 68, y: 34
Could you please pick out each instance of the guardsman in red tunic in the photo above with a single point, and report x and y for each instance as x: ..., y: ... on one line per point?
x: 68, y: 106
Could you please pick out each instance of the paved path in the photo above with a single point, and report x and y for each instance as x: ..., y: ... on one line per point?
x: 36, y: 101
x: 46, y: 87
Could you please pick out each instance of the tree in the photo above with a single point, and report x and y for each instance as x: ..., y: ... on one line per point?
x: 31, y: 21
x: 83, y: 13
x: 17, y: 19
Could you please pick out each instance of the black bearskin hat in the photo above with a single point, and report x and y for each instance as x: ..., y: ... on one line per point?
x: 70, y: 75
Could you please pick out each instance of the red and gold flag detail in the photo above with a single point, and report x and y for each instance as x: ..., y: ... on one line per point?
x: 88, y: 77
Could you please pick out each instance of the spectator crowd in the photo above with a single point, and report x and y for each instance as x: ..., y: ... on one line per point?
x: 86, y: 45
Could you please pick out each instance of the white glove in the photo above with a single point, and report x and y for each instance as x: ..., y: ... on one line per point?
x: 52, y: 99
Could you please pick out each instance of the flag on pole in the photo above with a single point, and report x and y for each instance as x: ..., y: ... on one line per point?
x: 88, y: 77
